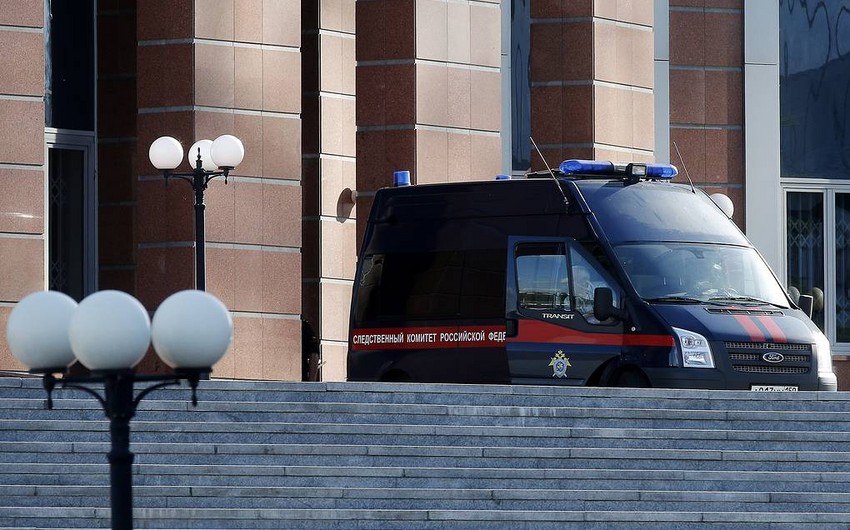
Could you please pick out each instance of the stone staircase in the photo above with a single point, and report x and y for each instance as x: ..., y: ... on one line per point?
x: 257, y: 455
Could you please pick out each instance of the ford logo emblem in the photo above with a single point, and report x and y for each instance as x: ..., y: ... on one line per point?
x: 773, y: 357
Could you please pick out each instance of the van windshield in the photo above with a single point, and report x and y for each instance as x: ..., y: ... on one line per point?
x: 653, y: 211
x: 699, y: 273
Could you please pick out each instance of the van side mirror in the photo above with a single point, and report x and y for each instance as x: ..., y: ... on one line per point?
x: 603, y: 305
x: 806, y: 303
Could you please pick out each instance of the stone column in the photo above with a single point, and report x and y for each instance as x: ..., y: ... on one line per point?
x: 429, y: 94
x: 707, y: 95
x: 592, y: 80
x: 330, y: 249
x: 208, y: 68
x: 116, y: 150
x: 22, y: 172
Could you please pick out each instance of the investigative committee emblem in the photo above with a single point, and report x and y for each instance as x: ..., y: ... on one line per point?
x: 559, y: 364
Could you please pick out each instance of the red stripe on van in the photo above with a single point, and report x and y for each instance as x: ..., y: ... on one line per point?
x: 751, y: 328
x: 537, y: 331
x: 777, y: 335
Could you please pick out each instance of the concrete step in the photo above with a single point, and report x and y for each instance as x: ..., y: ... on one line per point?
x: 443, y: 499
x: 613, y: 443
x: 471, y: 395
x: 416, y: 519
x: 21, y: 415
x: 246, y: 493
x: 544, y: 500
x: 187, y: 422
x: 434, y: 477
x: 342, y: 456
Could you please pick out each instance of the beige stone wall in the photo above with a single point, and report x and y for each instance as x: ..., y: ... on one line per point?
x: 203, y: 72
x: 706, y: 94
x: 22, y: 175
x: 592, y: 80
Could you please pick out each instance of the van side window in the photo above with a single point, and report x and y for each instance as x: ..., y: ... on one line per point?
x: 542, y: 280
x: 412, y: 285
x: 369, y: 287
x: 431, y: 285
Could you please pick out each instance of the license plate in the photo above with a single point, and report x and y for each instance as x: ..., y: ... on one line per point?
x: 774, y: 388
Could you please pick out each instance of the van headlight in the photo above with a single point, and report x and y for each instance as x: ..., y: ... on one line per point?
x: 696, y: 353
x: 823, y: 352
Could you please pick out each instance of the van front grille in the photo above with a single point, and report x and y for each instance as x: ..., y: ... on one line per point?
x: 750, y: 369
x: 748, y: 357
x: 754, y: 357
x: 768, y: 346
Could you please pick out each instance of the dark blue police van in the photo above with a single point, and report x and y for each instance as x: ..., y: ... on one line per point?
x: 596, y: 274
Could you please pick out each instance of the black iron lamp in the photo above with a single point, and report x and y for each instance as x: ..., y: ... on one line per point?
x: 109, y: 333
x: 208, y: 159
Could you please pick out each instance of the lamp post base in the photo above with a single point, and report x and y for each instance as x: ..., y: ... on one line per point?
x: 119, y: 403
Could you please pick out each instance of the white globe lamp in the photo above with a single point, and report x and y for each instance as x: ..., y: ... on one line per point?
x: 206, y: 160
x: 110, y: 330
x: 37, y: 331
x: 227, y: 151
x: 165, y: 153
x: 191, y: 329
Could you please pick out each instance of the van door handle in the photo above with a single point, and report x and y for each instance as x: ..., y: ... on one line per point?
x: 511, y: 327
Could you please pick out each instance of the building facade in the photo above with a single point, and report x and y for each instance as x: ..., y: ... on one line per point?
x: 814, y: 165
x: 331, y: 96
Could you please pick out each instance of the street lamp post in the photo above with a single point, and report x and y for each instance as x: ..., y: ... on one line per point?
x: 208, y: 159
x: 109, y: 333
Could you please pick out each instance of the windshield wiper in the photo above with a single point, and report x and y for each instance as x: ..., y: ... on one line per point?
x: 674, y: 300
x: 745, y: 299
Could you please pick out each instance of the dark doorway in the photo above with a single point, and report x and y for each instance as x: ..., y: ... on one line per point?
x: 66, y: 240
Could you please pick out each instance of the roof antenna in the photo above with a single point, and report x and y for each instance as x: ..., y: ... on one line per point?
x: 693, y: 189
x: 552, y: 173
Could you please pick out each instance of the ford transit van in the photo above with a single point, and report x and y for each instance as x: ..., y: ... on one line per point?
x: 595, y: 274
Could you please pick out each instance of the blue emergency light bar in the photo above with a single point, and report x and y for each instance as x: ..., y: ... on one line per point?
x: 661, y: 171
x: 631, y: 171
x: 587, y: 166
x: 401, y: 178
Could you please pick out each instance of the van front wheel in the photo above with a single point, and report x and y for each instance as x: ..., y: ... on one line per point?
x: 630, y: 378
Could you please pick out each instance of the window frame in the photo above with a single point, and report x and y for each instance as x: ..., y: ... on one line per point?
x: 571, y: 249
x: 560, y: 249
x: 84, y: 141
x: 829, y: 189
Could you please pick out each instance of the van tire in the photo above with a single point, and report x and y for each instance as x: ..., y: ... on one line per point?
x: 630, y: 378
